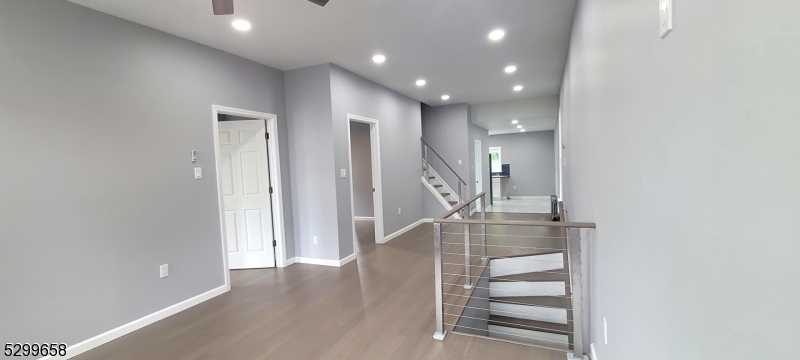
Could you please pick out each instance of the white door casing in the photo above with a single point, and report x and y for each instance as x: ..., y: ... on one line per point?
x: 478, y: 172
x: 245, y: 186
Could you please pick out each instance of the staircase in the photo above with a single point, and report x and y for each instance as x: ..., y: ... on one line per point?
x: 529, y: 300
x: 440, y: 189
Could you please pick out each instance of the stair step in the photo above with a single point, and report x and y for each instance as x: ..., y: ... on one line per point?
x: 532, y: 277
x: 453, y: 202
x: 445, y: 194
x: 437, y: 186
x: 431, y: 177
x: 532, y: 261
x: 532, y: 325
x: 547, y: 301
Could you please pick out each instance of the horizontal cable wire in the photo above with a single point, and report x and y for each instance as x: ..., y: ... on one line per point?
x: 524, y: 281
x: 519, y: 258
x: 511, y: 312
x: 507, y: 235
x: 511, y: 302
x: 515, y: 335
x: 508, y: 246
x: 497, y: 298
x: 524, y: 271
x: 507, y: 291
x: 527, y: 327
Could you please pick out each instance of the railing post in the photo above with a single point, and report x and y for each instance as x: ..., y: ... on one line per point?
x: 484, y: 256
x: 427, y: 166
x: 574, y: 245
x: 437, y: 264
x: 467, y: 254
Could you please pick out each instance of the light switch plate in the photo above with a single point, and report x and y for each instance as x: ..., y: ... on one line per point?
x: 665, y: 20
x: 343, y: 173
x: 164, y: 270
x: 194, y: 155
x: 198, y: 173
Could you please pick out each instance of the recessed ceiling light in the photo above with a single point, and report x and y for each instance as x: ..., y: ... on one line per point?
x: 511, y: 68
x: 445, y: 97
x: 518, y: 88
x: 379, y: 59
x: 241, y: 25
x: 496, y: 35
x: 523, y: 130
x: 514, y: 121
x: 421, y: 82
x: 519, y: 126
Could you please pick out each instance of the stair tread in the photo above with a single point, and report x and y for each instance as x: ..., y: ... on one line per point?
x: 445, y: 194
x: 532, y: 325
x: 453, y: 202
x: 547, y: 301
x: 532, y: 277
x: 437, y: 186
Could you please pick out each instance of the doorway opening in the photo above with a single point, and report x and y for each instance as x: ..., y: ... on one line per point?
x: 249, y: 188
x: 366, y: 195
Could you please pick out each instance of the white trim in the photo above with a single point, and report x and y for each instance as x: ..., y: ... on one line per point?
x: 275, y: 177
x: 403, y: 230
x: 545, y: 197
x: 375, y: 154
x: 324, y: 262
x: 594, y: 353
x: 132, y: 326
x: 364, y: 218
x: 347, y: 259
x: 478, y: 171
x: 427, y: 220
x: 290, y: 261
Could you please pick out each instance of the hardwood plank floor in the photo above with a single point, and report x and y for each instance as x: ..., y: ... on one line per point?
x: 380, y: 306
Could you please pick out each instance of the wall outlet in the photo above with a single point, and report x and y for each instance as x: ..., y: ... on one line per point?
x: 164, y: 270
x: 605, y: 330
x: 198, y: 173
x: 515, y: 187
x: 399, y: 210
x: 459, y: 162
x: 315, y: 240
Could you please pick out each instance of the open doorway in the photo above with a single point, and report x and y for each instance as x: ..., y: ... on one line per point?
x: 248, y: 181
x: 365, y: 182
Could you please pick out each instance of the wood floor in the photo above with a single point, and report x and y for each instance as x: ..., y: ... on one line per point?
x: 378, y: 307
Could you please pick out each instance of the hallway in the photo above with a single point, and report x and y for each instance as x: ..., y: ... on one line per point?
x: 378, y: 307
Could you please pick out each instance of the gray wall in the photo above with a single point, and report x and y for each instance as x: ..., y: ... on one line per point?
x: 399, y: 118
x: 99, y: 117
x: 308, y: 107
x: 446, y: 129
x: 531, y: 157
x: 684, y: 150
x: 362, y: 169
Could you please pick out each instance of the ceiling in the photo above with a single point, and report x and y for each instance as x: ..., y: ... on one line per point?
x: 538, y: 114
x: 443, y: 41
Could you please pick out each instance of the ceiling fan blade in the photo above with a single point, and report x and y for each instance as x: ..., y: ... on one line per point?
x: 319, y: 2
x: 222, y: 7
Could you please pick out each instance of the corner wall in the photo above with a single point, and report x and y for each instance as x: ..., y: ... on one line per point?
x: 99, y: 118
x: 684, y: 150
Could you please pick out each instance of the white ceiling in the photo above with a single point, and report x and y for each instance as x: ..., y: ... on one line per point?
x: 443, y: 41
x: 538, y: 114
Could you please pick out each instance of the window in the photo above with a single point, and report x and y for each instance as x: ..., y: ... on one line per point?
x: 496, y: 159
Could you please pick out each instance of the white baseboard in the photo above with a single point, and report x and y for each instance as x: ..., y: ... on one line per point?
x: 290, y: 261
x: 347, y: 259
x: 428, y: 220
x: 315, y: 261
x: 402, y: 231
x: 530, y: 198
x: 132, y: 326
x: 364, y: 218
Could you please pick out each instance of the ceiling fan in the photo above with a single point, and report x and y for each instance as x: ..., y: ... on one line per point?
x: 225, y: 7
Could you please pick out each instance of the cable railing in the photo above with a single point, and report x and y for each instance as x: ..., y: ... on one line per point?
x: 512, y: 277
x: 429, y: 173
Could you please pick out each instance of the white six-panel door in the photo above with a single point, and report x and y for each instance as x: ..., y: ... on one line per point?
x: 244, y: 179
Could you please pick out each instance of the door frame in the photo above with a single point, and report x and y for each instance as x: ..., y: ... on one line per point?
x: 478, y: 150
x: 273, y: 150
x: 375, y: 154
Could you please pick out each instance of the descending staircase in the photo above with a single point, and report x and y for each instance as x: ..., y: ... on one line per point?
x: 529, y: 300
